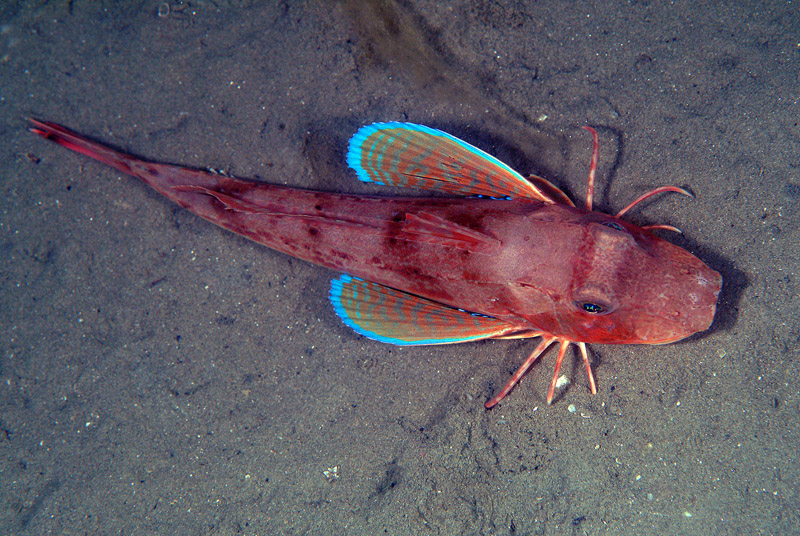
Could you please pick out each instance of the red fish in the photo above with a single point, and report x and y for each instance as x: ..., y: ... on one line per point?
x: 503, y: 257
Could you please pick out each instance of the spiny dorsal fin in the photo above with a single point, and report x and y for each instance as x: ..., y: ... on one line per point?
x: 433, y: 229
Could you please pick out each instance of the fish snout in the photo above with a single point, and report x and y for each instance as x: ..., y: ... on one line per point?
x: 701, y: 299
x: 685, y: 307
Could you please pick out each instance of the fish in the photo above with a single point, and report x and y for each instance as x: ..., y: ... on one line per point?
x: 494, y: 256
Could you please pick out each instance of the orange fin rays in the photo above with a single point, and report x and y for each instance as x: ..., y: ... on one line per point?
x: 585, y: 356
x: 592, y: 167
x: 663, y: 227
x: 561, y: 351
x: 650, y: 194
x: 647, y: 195
x: 547, y: 340
x: 550, y: 190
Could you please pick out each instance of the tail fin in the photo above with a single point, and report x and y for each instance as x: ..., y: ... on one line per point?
x: 78, y: 143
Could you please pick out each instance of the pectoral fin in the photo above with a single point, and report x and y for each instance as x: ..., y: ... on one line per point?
x: 416, y: 156
x: 392, y: 316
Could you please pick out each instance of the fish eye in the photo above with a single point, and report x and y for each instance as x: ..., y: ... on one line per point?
x: 591, y: 308
x: 613, y: 225
x: 594, y: 299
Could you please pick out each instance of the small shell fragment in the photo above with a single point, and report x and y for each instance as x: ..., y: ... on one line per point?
x: 331, y: 473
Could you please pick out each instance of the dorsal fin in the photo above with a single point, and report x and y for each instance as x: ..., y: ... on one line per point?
x: 433, y: 229
x: 392, y: 316
x: 416, y: 156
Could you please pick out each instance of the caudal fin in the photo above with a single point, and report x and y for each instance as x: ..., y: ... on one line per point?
x: 76, y: 142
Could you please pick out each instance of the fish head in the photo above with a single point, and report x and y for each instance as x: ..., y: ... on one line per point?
x: 604, y: 280
x: 629, y: 286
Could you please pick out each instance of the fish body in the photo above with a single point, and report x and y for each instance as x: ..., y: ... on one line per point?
x: 505, y: 257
